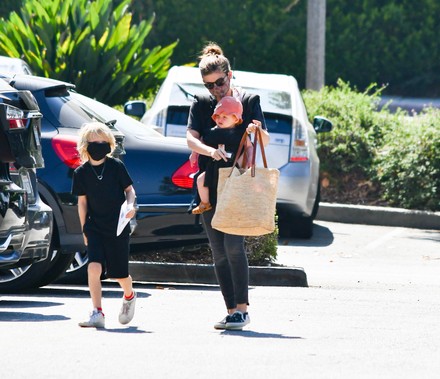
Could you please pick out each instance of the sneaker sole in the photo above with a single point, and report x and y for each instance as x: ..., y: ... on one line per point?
x: 91, y: 326
x: 220, y: 327
x: 234, y: 328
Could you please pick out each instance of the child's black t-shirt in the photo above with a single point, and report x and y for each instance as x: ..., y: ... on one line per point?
x: 105, y: 196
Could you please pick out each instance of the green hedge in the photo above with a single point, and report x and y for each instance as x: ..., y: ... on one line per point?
x: 394, y: 153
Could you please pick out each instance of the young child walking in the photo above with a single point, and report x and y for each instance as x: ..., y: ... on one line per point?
x: 227, y: 115
x: 102, y: 185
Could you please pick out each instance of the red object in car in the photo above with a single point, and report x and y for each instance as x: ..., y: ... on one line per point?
x: 65, y: 147
x: 184, y: 176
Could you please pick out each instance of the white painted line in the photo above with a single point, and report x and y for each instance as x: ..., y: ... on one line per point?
x: 380, y: 241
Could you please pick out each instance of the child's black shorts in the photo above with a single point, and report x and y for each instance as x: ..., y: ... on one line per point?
x: 111, y: 252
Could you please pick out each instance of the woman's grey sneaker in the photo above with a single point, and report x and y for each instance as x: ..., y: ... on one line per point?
x: 97, y: 320
x: 237, y: 321
x: 127, y: 310
x: 222, y: 324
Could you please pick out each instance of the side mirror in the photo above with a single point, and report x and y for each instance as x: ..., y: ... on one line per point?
x: 321, y: 124
x: 135, y: 108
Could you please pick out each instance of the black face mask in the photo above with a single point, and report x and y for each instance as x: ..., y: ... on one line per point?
x: 98, y: 150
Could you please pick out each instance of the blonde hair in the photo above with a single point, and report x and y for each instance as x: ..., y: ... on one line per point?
x: 94, y: 129
x: 212, y: 60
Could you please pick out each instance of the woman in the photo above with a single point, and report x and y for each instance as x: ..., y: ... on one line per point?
x: 230, y: 261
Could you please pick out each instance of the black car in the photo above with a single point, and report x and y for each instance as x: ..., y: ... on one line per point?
x: 158, y: 165
x: 25, y: 221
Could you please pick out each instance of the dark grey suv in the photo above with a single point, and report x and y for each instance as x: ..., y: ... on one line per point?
x: 25, y: 221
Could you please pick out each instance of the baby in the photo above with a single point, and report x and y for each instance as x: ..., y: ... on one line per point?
x: 227, y: 115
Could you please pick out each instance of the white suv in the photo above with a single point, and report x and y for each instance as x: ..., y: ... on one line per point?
x: 292, y: 147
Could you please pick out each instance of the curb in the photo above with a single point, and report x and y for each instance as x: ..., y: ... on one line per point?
x: 373, y: 215
x: 205, y: 274
x: 287, y: 276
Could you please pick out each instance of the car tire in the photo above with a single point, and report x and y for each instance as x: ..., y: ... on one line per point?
x: 23, y: 278
x: 298, y: 226
x: 57, y: 263
x: 57, y: 269
x: 301, y: 227
x: 76, y: 273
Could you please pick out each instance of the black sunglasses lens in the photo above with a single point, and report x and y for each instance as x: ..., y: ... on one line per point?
x: 219, y: 82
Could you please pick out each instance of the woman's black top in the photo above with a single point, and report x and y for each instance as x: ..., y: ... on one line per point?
x: 200, y: 120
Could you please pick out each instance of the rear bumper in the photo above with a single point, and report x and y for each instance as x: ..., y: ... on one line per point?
x: 297, y: 188
x: 11, y: 247
x: 38, y: 237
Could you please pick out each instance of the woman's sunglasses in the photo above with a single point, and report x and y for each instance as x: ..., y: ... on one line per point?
x: 219, y: 82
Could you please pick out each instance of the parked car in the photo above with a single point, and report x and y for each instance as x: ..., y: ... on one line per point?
x: 25, y: 221
x: 158, y: 165
x: 292, y: 147
x: 14, y: 65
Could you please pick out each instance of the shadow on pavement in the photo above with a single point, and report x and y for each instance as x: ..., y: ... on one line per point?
x: 322, y: 236
x: 107, y: 292
x: 252, y: 334
x: 129, y: 330
x: 30, y: 317
x: 27, y: 304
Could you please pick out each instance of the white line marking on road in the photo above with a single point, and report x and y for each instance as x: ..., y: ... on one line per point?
x: 384, y: 238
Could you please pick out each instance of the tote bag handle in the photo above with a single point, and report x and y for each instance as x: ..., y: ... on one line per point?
x: 241, y: 148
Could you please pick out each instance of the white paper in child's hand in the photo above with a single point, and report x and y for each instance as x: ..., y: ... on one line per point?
x: 123, y: 220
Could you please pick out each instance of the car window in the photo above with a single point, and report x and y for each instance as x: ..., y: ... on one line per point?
x: 124, y: 123
x: 272, y: 101
x: 70, y: 112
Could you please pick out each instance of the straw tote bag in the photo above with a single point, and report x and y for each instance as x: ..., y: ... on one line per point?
x: 246, y: 198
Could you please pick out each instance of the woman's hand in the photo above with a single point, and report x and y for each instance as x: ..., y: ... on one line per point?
x: 252, y: 127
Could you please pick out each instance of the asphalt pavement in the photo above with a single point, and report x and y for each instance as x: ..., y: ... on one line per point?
x: 370, y: 310
x: 284, y: 273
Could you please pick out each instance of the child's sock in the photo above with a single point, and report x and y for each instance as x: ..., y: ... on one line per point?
x: 128, y: 298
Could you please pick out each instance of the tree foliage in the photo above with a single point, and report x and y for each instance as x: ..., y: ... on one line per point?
x: 367, y: 41
x: 386, y: 42
x: 89, y: 43
x: 262, y: 36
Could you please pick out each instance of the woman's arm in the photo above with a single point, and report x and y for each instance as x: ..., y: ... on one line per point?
x: 195, y: 144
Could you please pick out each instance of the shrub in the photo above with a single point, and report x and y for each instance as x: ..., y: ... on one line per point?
x: 262, y: 250
x: 375, y: 156
x: 408, y: 167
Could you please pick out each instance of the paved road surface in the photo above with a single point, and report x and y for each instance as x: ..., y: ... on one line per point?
x: 371, y: 311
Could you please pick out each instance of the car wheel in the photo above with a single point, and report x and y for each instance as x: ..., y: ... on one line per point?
x: 22, y: 278
x: 57, y: 268
x: 297, y: 226
x: 76, y: 272
x: 301, y: 227
x: 58, y: 263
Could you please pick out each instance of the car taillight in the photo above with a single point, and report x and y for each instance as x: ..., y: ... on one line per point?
x: 65, y: 147
x: 184, y: 176
x: 300, y: 149
x: 15, y: 118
